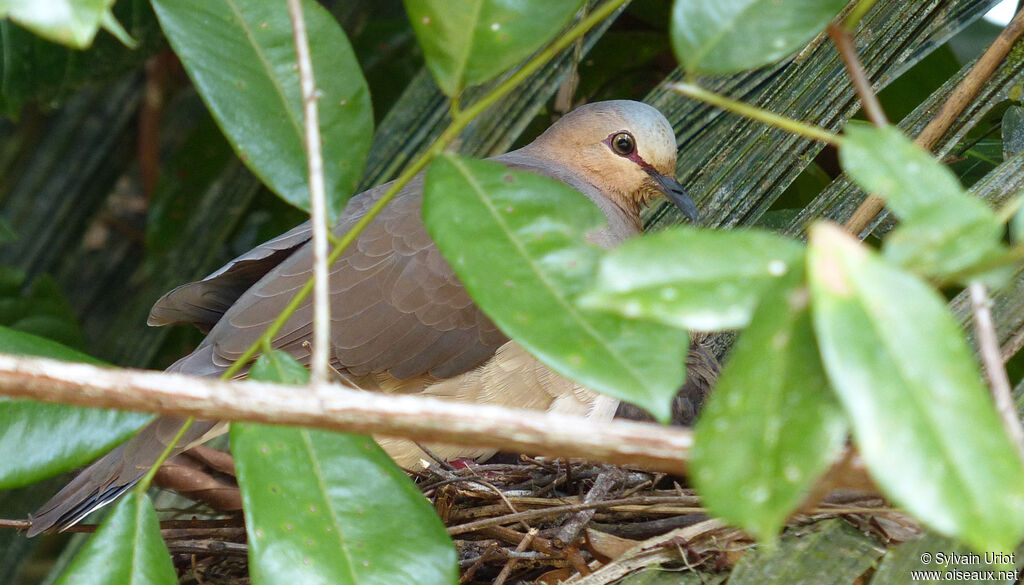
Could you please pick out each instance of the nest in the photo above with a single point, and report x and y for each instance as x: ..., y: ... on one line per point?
x: 549, y: 521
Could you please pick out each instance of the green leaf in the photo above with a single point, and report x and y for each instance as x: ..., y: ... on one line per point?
x: 942, y: 240
x: 693, y: 279
x: 944, y: 230
x: 772, y: 425
x: 516, y: 240
x: 68, y: 22
x: 325, y: 507
x: 1017, y: 226
x: 279, y: 367
x: 241, y: 57
x: 127, y: 549
x: 885, y: 162
x: 726, y: 36
x: 467, y: 42
x: 54, y: 438
x: 921, y: 417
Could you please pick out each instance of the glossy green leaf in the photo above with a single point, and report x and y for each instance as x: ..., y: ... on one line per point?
x: 73, y: 23
x: 467, y: 42
x: 693, y: 279
x: 53, y: 438
x: 885, y: 162
x: 921, y: 417
x: 280, y: 367
x: 241, y: 57
x: 944, y: 230
x: 726, y: 36
x: 772, y: 425
x: 942, y: 240
x: 516, y: 240
x: 127, y: 549
x: 324, y: 507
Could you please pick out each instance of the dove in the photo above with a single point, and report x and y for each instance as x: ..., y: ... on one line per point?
x: 400, y: 319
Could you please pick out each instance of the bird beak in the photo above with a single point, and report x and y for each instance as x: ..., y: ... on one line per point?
x: 675, y: 193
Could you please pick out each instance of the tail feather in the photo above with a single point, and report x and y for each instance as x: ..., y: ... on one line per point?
x: 115, y: 473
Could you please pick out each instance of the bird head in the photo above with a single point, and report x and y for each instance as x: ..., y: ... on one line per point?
x: 627, y: 149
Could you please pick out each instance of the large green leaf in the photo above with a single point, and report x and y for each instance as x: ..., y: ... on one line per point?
x: 516, y: 240
x: 693, y: 279
x: 772, y: 425
x: 467, y: 42
x: 241, y: 56
x: 127, y: 549
x: 726, y: 36
x: 325, y: 507
x: 53, y: 438
x: 921, y: 416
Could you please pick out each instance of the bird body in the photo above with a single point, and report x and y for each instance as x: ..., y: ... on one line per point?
x: 400, y: 319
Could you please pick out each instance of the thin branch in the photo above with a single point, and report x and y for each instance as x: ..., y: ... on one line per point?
x: 340, y: 408
x: 995, y: 371
x: 754, y: 113
x: 848, y: 51
x: 950, y: 111
x: 320, y: 359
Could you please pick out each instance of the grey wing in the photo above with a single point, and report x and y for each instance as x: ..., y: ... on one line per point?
x: 396, y: 305
x: 204, y: 302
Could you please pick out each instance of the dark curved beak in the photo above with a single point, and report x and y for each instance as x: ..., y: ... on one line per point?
x: 675, y: 193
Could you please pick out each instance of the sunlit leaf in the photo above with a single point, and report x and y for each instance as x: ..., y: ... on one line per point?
x: 241, y: 57
x: 725, y: 36
x: 323, y: 507
x: 772, y: 425
x: 921, y: 417
x: 467, y: 42
x: 700, y: 280
x: 944, y: 229
x: 53, y: 438
x: 516, y: 240
x: 127, y: 549
x: 278, y: 366
x: 68, y: 22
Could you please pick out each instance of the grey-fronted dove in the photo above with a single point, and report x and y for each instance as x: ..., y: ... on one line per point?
x: 400, y: 319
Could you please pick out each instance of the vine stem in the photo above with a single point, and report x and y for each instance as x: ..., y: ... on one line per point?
x: 460, y: 120
x: 754, y: 113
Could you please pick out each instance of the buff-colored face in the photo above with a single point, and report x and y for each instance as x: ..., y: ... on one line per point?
x: 626, y: 148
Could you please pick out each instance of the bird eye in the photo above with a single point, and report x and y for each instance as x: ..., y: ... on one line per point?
x: 623, y: 143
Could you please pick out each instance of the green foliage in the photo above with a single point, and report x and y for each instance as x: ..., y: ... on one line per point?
x: 470, y: 41
x: 906, y: 377
x: 251, y: 85
x: 53, y: 438
x: 69, y: 22
x: 326, y: 507
x: 772, y: 425
x: 945, y: 231
x: 692, y: 279
x: 127, y: 549
x: 725, y: 36
x: 517, y: 241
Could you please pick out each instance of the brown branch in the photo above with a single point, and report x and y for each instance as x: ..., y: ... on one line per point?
x: 951, y: 109
x: 995, y: 371
x: 848, y: 51
x: 335, y: 407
